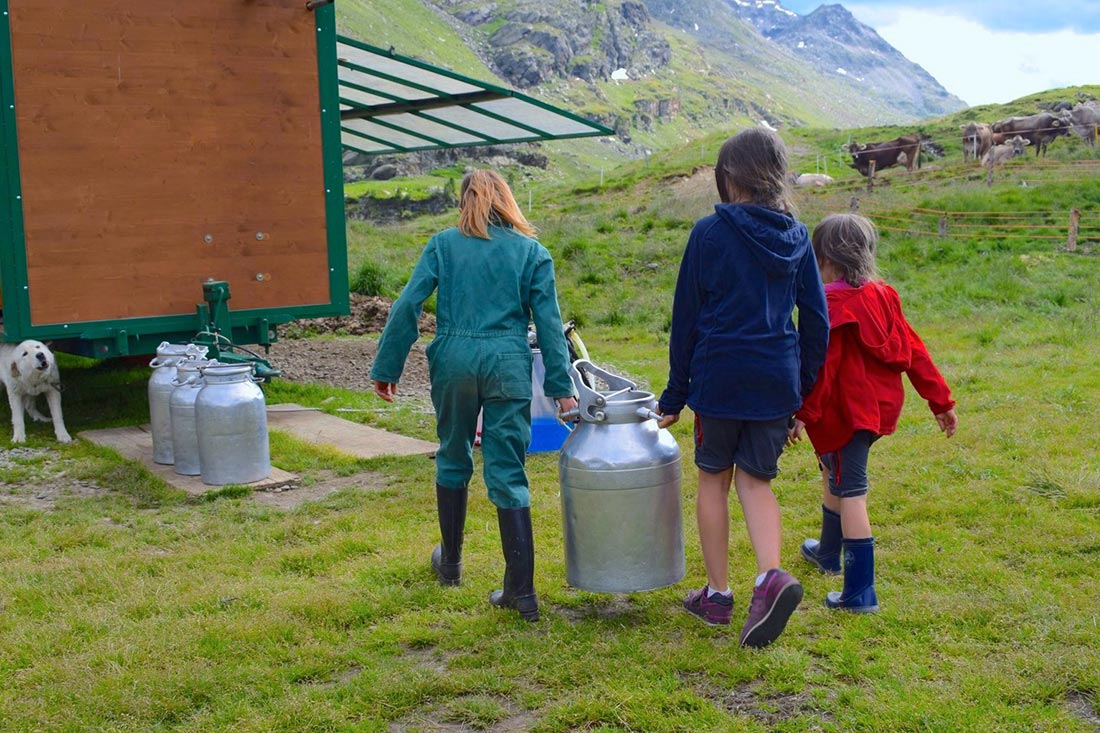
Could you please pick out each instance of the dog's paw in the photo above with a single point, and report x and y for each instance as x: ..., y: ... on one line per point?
x: 39, y: 417
x: 19, y: 438
x: 64, y: 438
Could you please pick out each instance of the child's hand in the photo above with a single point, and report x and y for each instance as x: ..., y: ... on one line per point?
x: 666, y: 420
x: 948, y: 422
x: 794, y: 433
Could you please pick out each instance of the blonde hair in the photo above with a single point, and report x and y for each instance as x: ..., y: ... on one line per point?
x: 752, y: 168
x: 848, y: 242
x: 486, y: 199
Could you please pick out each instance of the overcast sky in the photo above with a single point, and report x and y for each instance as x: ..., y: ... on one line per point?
x: 987, y: 51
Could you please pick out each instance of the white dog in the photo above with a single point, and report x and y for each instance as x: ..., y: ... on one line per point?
x: 27, y: 370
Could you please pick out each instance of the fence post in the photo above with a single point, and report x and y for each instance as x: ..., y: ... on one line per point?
x: 1074, y: 222
x: 870, y: 176
x: 989, y: 177
x: 853, y: 206
x: 943, y: 225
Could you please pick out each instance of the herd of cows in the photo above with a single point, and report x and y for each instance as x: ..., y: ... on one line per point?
x: 988, y: 143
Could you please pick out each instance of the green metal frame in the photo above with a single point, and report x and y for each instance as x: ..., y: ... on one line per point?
x: 124, y: 336
x: 490, y: 92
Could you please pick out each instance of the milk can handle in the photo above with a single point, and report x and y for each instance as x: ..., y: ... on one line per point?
x: 647, y: 414
x: 591, y: 402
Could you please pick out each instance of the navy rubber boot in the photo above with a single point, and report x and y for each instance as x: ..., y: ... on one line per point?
x: 517, y: 542
x: 447, y: 555
x: 825, y: 553
x: 858, y: 595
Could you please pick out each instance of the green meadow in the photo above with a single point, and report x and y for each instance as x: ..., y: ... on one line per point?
x: 129, y: 606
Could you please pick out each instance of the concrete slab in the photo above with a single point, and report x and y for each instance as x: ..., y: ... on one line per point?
x: 136, y: 443
x: 359, y: 440
x: 307, y: 423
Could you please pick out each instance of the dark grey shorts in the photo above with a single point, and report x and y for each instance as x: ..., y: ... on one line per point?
x: 848, y: 466
x: 754, y: 445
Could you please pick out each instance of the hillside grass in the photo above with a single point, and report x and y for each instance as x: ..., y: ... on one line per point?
x: 131, y: 607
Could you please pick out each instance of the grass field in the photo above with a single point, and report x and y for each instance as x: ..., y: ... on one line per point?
x: 126, y: 606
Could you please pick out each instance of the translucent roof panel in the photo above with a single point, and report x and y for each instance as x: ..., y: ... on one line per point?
x: 391, y: 103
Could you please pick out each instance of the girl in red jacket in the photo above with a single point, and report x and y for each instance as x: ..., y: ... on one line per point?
x: 857, y: 399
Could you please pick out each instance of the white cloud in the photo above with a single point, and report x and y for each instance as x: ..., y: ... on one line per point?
x: 984, y: 66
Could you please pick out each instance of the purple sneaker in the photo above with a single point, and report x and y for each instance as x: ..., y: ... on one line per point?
x: 773, y: 602
x: 715, y: 610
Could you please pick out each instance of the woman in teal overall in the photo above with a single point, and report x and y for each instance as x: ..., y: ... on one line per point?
x: 493, y: 279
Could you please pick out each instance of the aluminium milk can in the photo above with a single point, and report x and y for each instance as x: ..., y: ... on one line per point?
x: 160, y: 390
x: 620, y: 490
x: 231, y: 423
x: 181, y: 406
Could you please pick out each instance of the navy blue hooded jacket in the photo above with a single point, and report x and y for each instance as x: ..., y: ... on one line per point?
x: 734, y: 351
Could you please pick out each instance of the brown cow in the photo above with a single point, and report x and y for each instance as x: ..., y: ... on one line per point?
x: 1039, y: 130
x: 904, y: 149
x: 977, y: 140
x: 1007, y: 151
x: 1085, y: 119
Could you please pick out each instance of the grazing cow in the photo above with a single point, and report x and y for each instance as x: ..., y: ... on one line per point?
x: 1039, y: 130
x: 977, y: 140
x: 812, y: 179
x: 1085, y: 119
x: 1008, y: 150
x: 904, y: 149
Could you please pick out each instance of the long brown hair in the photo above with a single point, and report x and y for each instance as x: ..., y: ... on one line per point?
x: 752, y: 169
x: 486, y: 199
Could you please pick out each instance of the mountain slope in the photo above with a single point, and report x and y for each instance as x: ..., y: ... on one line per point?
x: 830, y: 40
x: 660, y: 72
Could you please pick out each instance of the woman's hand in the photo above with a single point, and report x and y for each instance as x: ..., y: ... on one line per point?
x: 567, y: 404
x: 385, y: 390
x: 948, y: 422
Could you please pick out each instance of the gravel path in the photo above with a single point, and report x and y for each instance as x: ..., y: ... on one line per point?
x: 339, y: 351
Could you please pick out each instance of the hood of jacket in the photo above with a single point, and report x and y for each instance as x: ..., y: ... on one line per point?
x: 777, y: 241
x: 873, y: 310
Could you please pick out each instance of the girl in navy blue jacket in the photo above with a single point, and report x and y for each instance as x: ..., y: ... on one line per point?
x: 738, y: 360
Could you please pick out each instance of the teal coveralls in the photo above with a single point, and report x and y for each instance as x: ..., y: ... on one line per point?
x: 489, y: 290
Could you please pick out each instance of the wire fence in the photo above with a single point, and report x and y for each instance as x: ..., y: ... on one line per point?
x: 1073, y: 229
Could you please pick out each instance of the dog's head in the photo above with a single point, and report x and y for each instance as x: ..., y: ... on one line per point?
x: 29, y: 357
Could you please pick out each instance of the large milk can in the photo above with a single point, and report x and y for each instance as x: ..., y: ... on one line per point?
x: 181, y: 406
x: 620, y: 490
x: 160, y: 391
x: 231, y: 423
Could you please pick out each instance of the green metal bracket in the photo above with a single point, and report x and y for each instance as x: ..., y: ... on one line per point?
x: 214, y: 324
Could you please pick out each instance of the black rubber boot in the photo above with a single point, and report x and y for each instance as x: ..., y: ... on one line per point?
x: 518, y: 543
x: 447, y: 555
x: 825, y: 553
x: 859, y: 594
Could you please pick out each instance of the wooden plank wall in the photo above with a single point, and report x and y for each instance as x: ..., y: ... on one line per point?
x: 146, y: 127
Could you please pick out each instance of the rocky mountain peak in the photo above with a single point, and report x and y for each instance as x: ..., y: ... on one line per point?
x: 835, y: 42
x: 535, y: 41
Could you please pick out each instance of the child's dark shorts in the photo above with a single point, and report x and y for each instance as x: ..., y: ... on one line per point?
x: 754, y: 445
x: 848, y: 466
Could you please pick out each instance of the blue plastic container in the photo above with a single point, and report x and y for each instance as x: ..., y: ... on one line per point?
x: 547, y: 433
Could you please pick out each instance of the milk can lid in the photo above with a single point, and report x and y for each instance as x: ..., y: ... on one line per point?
x: 217, y: 369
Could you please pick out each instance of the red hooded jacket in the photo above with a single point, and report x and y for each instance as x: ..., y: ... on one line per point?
x: 859, y: 387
